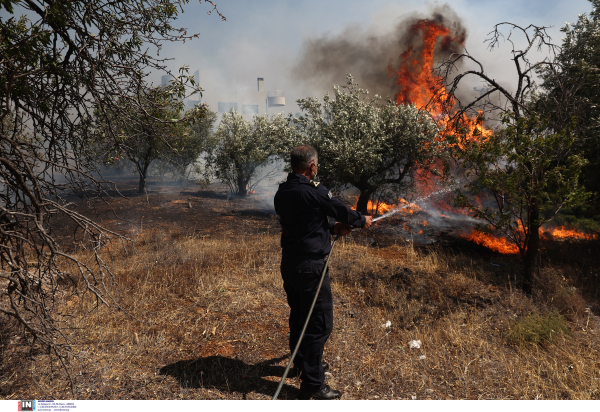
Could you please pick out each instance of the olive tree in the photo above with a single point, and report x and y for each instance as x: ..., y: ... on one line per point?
x: 530, y: 172
x: 156, y: 129
x: 186, y: 163
x: 63, y: 62
x: 369, y: 143
x: 240, y: 147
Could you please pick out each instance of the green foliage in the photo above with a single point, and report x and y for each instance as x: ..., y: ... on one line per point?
x: 579, y: 79
x: 528, y: 169
x: 240, y: 147
x: 151, y: 126
x: 536, y: 329
x: 367, y: 143
x: 184, y: 162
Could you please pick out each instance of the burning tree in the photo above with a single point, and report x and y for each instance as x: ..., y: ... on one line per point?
x: 62, y: 63
x: 239, y: 148
x: 528, y: 165
x: 367, y: 143
x: 531, y: 174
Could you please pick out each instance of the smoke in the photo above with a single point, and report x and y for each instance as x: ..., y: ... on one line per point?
x: 371, y: 56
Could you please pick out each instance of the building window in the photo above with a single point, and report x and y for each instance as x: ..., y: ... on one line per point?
x: 250, y: 109
x: 226, y: 106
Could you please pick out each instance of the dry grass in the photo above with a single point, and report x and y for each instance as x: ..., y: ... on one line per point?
x: 206, y: 318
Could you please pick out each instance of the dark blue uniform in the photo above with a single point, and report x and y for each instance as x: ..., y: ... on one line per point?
x: 303, y: 206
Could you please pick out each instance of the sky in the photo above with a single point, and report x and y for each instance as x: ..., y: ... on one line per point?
x: 268, y: 38
x: 275, y: 40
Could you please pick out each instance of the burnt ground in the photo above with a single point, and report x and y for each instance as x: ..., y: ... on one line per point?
x: 172, y: 205
x: 213, y: 211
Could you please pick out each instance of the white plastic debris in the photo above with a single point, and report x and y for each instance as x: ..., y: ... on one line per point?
x: 422, y: 357
x: 387, y: 324
x: 414, y: 344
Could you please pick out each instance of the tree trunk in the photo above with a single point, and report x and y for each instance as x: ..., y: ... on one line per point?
x: 241, y: 187
x: 363, y: 201
x: 242, y: 182
x: 142, y: 185
x: 533, y: 248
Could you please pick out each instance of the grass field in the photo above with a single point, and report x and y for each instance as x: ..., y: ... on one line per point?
x: 204, y: 316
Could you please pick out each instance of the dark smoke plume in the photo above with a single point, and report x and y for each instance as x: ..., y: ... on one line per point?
x: 371, y: 58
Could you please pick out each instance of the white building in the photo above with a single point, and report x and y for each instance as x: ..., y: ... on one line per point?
x: 246, y: 101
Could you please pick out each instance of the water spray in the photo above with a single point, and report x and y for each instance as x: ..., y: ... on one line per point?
x: 327, y: 260
x: 394, y: 211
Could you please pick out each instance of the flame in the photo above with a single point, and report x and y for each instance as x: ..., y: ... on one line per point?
x: 564, y: 233
x: 375, y: 208
x: 418, y: 84
x: 497, y: 244
x: 503, y: 245
x: 409, y: 208
x: 415, y: 77
x: 251, y: 192
x: 380, y: 207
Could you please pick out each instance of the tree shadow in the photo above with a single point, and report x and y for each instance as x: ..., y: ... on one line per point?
x: 231, y: 375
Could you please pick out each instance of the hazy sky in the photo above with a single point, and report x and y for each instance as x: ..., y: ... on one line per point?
x: 266, y: 38
x: 269, y: 38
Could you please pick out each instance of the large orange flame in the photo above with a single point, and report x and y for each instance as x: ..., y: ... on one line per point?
x: 564, y: 233
x: 503, y: 245
x: 418, y: 84
x: 415, y: 79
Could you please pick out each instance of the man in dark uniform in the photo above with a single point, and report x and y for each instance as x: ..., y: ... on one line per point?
x: 303, y: 206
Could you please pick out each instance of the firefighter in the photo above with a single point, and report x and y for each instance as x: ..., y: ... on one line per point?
x: 303, y: 206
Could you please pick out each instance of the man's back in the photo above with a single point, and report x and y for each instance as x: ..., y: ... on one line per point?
x: 303, y: 206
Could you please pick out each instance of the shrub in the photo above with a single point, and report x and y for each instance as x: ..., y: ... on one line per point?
x: 536, y: 329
